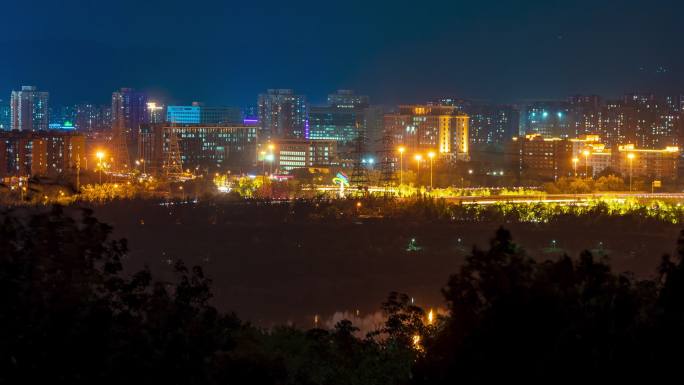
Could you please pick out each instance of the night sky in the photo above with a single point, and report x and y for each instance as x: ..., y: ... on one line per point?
x: 225, y: 52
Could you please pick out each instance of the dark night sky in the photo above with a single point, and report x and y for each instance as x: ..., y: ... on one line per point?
x: 225, y: 52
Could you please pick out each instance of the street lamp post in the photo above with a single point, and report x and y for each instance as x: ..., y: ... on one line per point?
x: 575, y: 160
x: 99, y: 155
x: 418, y: 158
x: 270, y: 148
x: 401, y: 165
x: 78, y: 174
x: 263, y: 163
x: 586, y: 163
x: 431, y: 155
x: 630, y: 156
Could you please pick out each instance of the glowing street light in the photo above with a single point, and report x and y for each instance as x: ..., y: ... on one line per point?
x: 418, y: 158
x: 401, y: 165
x: 431, y: 155
x: 574, y: 165
x: 586, y: 162
x: 630, y: 156
x: 263, y: 162
x: 430, y: 317
x: 100, y: 155
x: 271, y: 157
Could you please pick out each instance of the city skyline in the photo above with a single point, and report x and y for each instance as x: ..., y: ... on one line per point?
x: 341, y: 192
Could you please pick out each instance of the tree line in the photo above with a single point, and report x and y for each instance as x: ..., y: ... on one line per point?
x: 68, y: 315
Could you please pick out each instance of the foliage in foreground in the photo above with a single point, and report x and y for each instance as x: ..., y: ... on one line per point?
x: 69, y: 316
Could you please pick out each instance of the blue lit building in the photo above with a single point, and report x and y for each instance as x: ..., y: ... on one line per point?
x: 183, y: 114
x: 199, y: 114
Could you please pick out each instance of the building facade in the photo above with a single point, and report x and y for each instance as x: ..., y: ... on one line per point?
x: 536, y: 156
x: 204, y: 148
x: 660, y: 164
x: 337, y: 124
x: 548, y: 119
x: 290, y: 154
x: 645, y: 120
x: 438, y: 128
x: 5, y: 116
x: 156, y: 113
x: 183, y: 114
x: 492, y: 124
x: 283, y: 115
x: 43, y: 153
x: 200, y: 114
x: 129, y: 113
x: 29, y: 109
x: 347, y: 99
x: 93, y: 118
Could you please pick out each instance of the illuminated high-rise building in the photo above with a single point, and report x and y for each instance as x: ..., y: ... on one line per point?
x: 62, y: 116
x: 420, y: 128
x: 91, y: 118
x: 347, y: 99
x: 156, y: 112
x: 331, y: 123
x: 183, y: 114
x: 220, y: 115
x: 197, y: 113
x: 549, y: 119
x: 5, y: 116
x: 539, y: 157
x: 492, y: 124
x: 283, y: 114
x: 129, y: 113
x: 46, y: 153
x: 661, y: 163
x: 291, y: 154
x: 203, y: 147
x: 345, y: 116
x: 29, y: 109
x: 584, y: 115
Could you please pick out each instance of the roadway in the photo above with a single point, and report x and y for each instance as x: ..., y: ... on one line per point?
x: 564, y: 198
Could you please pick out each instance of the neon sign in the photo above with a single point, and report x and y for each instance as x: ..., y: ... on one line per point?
x: 341, y: 179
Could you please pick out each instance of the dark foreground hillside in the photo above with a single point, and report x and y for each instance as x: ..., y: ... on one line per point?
x: 71, y: 315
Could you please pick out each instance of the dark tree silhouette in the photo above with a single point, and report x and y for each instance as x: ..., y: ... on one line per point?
x: 69, y: 316
x: 563, y: 321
